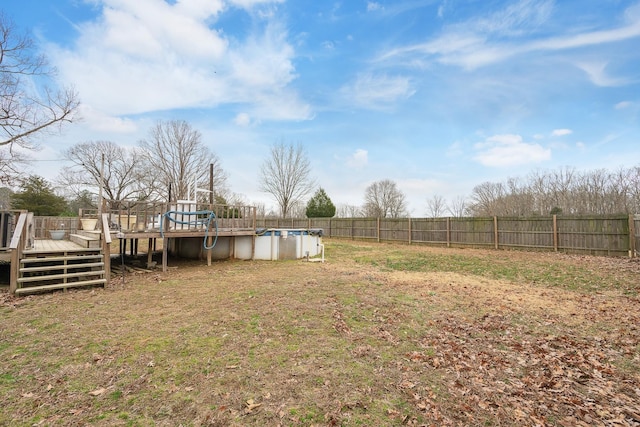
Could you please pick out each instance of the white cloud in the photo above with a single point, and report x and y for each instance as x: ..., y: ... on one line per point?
x: 151, y: 55
x: 623, y: 105
x: 596, y: 71
x: 509, y: 150
x: 471, y: 44
x: 455, y: 150
x: 242, y: 119
x: 442, y: 8
x: 561, y: 132
x: 359, y: 159
x: 328, y: 44
x: 100, y: 122
x: 514, y: 19
x: 377, y: 91
x: 372, y: 6
x: 248, y: 4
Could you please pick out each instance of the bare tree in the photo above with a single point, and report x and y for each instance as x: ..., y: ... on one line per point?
x: 561, y: 183
x: 486, y: 199
x: 436, y: 206
x: 634, y: 190
x: 122, y: 174
x: 458, y: 207
x: 298, y: 210
x: 177, y: 156
x: 383, y: 199
x: 348, y: 211
x: 24, y: 111
x: 286, y: 176
x: 519, y: 200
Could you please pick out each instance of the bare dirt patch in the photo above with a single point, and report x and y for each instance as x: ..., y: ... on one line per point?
x: 378, y: 335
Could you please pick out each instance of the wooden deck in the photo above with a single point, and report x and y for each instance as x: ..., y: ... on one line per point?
x: 42, y: 245
x: 131, y: 221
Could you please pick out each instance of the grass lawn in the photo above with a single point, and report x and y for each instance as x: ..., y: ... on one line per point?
x: 378, y: 335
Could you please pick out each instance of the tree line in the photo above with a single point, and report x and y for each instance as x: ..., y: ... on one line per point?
x: 561, y: 191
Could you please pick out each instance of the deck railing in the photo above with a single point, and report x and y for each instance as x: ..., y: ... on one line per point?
x: 8, y: 221
x: 148, y: 216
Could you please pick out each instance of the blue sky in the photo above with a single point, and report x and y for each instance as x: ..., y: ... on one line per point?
x: 436, y: 95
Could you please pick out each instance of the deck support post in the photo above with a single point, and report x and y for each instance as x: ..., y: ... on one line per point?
x: 165, y: 244
x: 150, y: 248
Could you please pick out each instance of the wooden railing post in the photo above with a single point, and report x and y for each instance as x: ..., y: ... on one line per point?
x: 378, y: 229
x: 165, y: 243
x: 17, y: 246
x: 409, y: 230
x: 448, y: 232
x: 106, y: 246
x: 496, y: 242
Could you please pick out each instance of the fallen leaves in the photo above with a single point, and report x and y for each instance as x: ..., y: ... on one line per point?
x: 503, y: 370
x: 251, y: 405
x: 98, y: 392
x: 340, y: 325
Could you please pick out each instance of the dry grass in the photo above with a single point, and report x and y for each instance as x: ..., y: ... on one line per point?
x: 377, y: 335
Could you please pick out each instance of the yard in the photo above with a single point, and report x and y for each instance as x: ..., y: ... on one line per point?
x: 378, y: 335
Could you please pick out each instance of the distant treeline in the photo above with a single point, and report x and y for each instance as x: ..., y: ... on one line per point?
x: 562, y: 191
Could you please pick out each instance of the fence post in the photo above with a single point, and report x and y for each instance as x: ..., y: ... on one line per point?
x: 448, y: 232
x: 352, y: 229
x: 632, y: 236
x: 555, y: 233
x: 378, y: 228
x: 409, y: 230
x: 495, y: 232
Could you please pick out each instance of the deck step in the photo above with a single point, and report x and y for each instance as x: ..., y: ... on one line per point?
x: 85, y: 241
x: 62, y: 276
x: 95, y: 234
x: 60, y: 270
x: 60, y: 267
x: 32, y: 289
x: 80, y: 257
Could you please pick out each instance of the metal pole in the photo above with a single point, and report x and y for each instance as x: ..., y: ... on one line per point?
x: 211, y: 184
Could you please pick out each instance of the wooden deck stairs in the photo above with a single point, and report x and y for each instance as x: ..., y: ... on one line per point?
x: 36, y: 267
x: 45, y: 271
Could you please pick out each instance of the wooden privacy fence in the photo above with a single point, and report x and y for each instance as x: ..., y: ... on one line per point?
x: 615, y: 235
